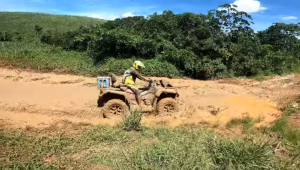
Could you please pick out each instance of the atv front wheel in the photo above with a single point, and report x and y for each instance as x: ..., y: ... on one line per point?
x: 114, y: 107
x: 167, y: 106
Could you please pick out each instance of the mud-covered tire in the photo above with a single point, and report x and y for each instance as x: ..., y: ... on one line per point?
x: 114, y: 108
x: 167, y: 106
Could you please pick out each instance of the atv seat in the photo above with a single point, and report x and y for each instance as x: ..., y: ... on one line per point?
x: 113, y: 88
x: 140, y: 89
x: 118, y: 85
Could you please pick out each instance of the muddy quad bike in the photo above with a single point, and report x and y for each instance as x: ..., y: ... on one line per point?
x: 158, y: 96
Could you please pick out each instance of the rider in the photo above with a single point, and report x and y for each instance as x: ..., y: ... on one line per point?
x: 130, y: 76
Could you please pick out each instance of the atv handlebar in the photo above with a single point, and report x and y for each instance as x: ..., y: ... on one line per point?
x: 150, y: 83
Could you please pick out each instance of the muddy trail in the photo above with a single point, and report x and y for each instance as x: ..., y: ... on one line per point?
x: 40, y: 100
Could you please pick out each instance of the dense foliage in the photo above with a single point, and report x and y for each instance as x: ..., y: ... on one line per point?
x: 218, y: 44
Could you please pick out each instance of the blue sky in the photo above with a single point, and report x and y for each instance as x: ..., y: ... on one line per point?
x: 264, y: 12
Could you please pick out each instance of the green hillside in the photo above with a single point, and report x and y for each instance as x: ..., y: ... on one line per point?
x: 24, y: 22
x: 199, y: 46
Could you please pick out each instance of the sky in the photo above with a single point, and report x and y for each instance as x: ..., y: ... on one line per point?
x: 263, y: 12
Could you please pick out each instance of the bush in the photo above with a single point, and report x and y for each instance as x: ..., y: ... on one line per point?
x: 153, y: 67
x: 53, y: 37
x: 5, y: 36
x: 159, y: 68
x: 132, y: 121
x: 121, y: 44
x: 47, y: 58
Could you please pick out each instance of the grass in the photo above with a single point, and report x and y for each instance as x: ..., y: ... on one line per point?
x: 46, y: 58
x: 102, y: 147
x: 132, y: 121
x: 115, y: 147
x: 149, y: 148
x: 283, y: 125
x: 11, y: 21
x: 286, y: 136
x: 247, y: 122
x: 260, y: 77
x: 132, y: 146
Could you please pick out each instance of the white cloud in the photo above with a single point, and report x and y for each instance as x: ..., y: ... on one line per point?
x: 249, y: 6
x: 130, y: 14
x: 106, y: 13
x: 127, y: 14
x: 106, y: 16
x: 289, y: 17
x: 111, y: 14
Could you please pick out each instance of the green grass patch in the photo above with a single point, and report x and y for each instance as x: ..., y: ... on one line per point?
x: 289, y: 135
x: 46, y: 58
x: 149, y: 148
x: 246, y: 122
x: 292, y: 135
x: 283, y: 126
x: 260, y: 77
x: 23, y: 23
x: 132, y: 121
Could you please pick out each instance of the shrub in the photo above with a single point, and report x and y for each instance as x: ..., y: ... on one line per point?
x: 154, y: 67
x: 132, y: 121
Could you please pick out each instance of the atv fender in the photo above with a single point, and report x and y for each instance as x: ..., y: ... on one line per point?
x: 109, y: 95
x: 163, y: 93
x: 170, y: 92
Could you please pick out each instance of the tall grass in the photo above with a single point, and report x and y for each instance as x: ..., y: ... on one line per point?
x: 283, y: 126
x: 45, y: 58
x: 187, y: 148
x: 150, y: 148
x: 132, y: 121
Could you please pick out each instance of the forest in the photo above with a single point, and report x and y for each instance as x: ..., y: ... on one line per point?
x: 218, y: 44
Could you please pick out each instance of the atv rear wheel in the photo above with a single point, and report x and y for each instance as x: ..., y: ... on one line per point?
x: 114, y: 107
x: 167, y: 106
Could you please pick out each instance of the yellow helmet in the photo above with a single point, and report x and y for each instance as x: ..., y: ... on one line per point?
x: 138, y: 64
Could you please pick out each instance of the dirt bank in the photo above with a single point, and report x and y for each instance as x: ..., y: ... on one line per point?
x: 34, y: 99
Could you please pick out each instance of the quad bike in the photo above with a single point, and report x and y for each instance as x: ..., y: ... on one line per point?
x: 117, y: 99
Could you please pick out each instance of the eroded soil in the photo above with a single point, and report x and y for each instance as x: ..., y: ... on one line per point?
x: 40, y: 100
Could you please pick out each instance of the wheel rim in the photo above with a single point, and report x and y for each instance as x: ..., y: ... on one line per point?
x: 169, y: 108
x: 116, y: 109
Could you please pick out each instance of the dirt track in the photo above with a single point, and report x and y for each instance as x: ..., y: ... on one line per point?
x: 33, y: 99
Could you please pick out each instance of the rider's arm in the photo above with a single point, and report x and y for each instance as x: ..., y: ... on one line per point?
x: 138, y: 75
